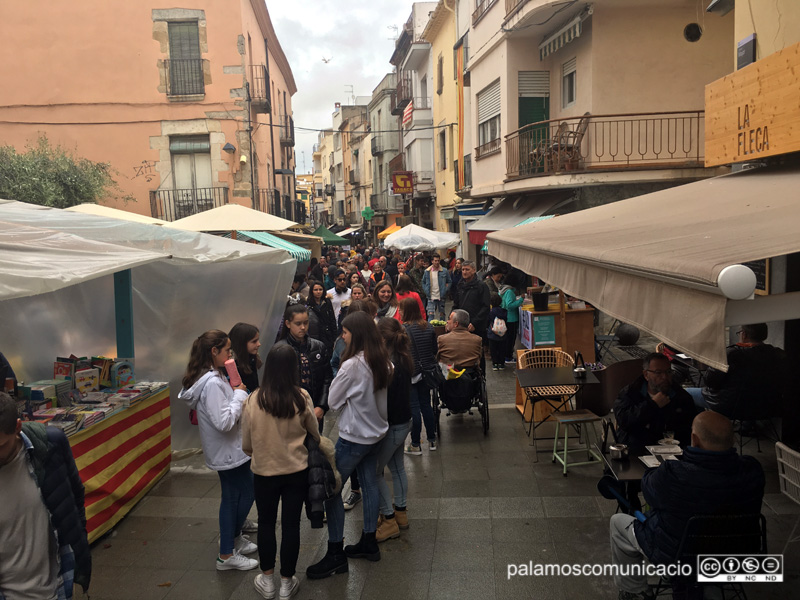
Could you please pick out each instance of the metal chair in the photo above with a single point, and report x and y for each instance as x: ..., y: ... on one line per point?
x: 582, y: 420
x: 542, y: 358
x: 715, y: 534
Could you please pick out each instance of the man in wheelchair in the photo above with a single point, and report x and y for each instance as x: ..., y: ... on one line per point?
x: 462, y: 350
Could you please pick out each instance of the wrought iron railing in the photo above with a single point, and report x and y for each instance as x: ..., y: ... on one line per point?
x: 171, y: 205
x: 490, y: 147
x: 287, y: 130
x: 404, y: 92
x: 267, y: 199
x: 259, y: 88
x: 184, y: 76
x: 385, y: 142
x: 481, y: 8
x: 384, y: 202
x: 512, y: 5
x: 607, y: 142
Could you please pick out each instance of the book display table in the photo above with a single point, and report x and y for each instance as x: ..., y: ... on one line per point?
x: 121, y: 458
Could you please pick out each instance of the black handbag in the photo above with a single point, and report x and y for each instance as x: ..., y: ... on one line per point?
x: 432, y: 377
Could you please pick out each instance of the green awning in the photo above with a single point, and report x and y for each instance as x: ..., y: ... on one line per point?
x: 295, y: 251
x: 330, y: 238
x: 525, y: 222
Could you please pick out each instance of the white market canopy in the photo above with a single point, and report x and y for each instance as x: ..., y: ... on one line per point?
x: 414, y: 237
x: 232, y: 217
x: 106, y: 211
x: 659, y: 261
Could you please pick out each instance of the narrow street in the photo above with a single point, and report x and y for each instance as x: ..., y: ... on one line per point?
x: 475, y: 506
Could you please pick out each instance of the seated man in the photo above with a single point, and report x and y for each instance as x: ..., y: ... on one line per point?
x: 459, y: 348
x: 755, y: 377
x: 711, y: 479
x: 653, y: 405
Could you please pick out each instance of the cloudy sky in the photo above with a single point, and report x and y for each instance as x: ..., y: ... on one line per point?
x: 357, y: 37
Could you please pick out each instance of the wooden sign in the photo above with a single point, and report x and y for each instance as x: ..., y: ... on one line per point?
x: 754, y: 112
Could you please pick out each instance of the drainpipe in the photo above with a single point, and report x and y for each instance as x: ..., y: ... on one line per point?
x: 250, y: 140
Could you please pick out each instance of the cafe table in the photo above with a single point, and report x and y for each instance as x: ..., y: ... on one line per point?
x: 554, y: 385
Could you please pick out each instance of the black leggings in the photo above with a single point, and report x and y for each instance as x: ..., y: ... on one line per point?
x: 291, y: 490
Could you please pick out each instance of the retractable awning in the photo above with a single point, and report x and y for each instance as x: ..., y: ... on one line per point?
x: 349, y: 231
x: 659, y: 261
x: 272, y: 241
x: 513, y: 211
x: 568, y: 33
x: 485, y: 247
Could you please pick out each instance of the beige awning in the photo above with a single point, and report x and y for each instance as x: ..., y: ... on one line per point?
x: 655, y: 260
x: 106, y: 211
x: 232, y: 217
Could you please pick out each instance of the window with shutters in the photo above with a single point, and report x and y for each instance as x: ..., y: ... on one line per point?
x: 185, y: 65
x: 488, y: 121
x: 569, y: 79
x: 442, y: 150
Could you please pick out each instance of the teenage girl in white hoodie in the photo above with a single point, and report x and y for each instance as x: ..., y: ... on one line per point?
x: 219, y: 408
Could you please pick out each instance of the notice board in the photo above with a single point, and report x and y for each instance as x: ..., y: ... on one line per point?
x: 544, y: 330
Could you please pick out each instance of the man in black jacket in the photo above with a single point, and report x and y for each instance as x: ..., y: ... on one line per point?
x: 473, y: 297
x: 653, y: 405
x: 41, y: 495
x: 712, y: 479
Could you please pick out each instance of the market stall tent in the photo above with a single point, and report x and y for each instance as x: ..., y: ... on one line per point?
x: 232, y: 217
x: 106, y: 211
x: 330, y: 238
x: 388, y: 231
x: 670, y: 262
x: 57, y: 292
x: 414, y: 237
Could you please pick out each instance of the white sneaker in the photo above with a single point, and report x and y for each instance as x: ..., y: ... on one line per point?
x: 289, y: 587
x: 249, y: 526
x: 265, y: 585
x: 432, y: 446
x: 237, y: 562
x: 243, y: 545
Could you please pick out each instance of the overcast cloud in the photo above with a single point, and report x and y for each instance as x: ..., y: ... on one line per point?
x: 355, y: 36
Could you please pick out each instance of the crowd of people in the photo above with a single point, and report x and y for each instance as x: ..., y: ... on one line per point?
x: 357, y: 336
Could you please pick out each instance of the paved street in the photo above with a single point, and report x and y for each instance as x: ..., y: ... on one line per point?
x: 476, y: 505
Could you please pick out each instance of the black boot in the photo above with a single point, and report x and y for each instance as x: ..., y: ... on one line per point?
x: 367, y: 547
x: 334, y: 561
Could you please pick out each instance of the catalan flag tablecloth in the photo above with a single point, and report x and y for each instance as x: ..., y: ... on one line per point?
x: 121, y: 458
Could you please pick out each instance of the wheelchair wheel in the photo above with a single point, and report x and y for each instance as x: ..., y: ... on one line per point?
x: 437, y: 412
x: 483, y: 407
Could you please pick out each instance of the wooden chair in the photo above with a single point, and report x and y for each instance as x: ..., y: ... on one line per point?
x: 542, y: 358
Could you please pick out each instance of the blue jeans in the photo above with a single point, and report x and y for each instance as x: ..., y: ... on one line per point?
x: 390, y: 453
x: 435, y: 306
x: 697, y: 396
x: 236, y: 502
x: 421, y: 406
x: 361, y: 458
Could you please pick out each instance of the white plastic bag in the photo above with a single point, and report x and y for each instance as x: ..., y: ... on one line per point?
x: 499, y: 327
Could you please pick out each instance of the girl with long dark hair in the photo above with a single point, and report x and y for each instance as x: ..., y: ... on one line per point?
x: 312, y: 357
x: 321, y: 320
x: 423, y: 351
x: 275, y: 422
x: 360, y: 390
x: 390, y: 448
x: 219, y: 408
x: 245, y: 344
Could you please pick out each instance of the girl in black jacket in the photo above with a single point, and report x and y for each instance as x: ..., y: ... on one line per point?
x: 321, y: 319
x: 312, y: 357
x: 390, y: 448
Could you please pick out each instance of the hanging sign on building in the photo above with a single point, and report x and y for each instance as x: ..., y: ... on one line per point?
x: 402, y: 182
x: 752, y: 113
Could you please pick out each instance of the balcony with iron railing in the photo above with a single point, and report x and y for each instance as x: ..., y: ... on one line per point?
x: 286, y: 124
x: 405, y: 92
x: 487, y: 149
x: 184, y: 77
x: 481, y: 8
x: 171, y: 205
x: 383, y: 142
x: 385, y: 202
x: 464, y: 186
x: 268, y: 200
x: 260, y: 98
x: 595, y: 143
